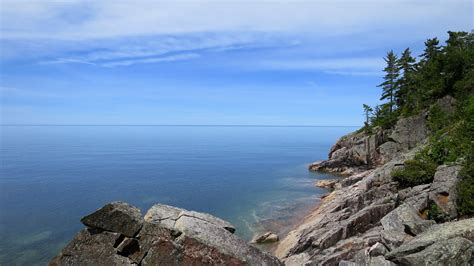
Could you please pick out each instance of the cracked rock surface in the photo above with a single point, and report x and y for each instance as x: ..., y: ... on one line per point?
x: 117, y: 234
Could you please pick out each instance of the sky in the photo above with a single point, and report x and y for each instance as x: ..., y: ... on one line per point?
x: 207, y: 62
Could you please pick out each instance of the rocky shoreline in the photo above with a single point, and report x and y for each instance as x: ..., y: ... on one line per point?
x: 368, y: 220
x: 365, y: 219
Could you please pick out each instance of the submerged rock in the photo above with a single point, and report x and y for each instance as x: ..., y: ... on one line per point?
x: 268, y: 237
x: 118, y: 235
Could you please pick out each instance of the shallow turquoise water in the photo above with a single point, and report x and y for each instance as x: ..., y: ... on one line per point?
x: 53, y: 175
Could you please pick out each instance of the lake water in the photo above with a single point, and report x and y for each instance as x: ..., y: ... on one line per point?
x: 51, y: 176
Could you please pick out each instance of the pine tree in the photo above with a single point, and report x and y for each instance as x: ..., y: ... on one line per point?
x: 390, y: 85
x: 367, y: 111
x: 430, y: 85
x: 432, y: 49
x: 405, y: 94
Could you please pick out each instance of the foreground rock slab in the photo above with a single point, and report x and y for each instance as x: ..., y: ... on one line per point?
x: 117, y: 217
x: 117, y: 234
x: 443, y: 244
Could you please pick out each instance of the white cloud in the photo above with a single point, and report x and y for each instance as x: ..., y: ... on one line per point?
x: 171, y: 58
x: 79, y: 20
x: 340, y: 66
x: 108, y: 32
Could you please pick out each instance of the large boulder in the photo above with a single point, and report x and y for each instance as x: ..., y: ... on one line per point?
x: 430, y: 243
x: 92, y: 247
x: 417, y: 196
x: 444, y: 189
x: 405, y: 218
x: 454, y: 251
x: 118, y: 235
x: 117, y: 217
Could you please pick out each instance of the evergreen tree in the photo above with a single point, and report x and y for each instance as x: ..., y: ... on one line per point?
x: 390, y: 85
x: 405, y: 94
x: 456, y: 63
x: 432, y: 49
x: 430, y: 80
x: 367, y: 111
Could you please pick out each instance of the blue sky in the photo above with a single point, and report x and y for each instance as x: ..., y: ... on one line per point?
x: 206, y: 62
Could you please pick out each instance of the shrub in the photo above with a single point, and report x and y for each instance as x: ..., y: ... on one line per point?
x: 437, y: 118
x: 435, y: 213
x: 415, y: 172
x: 465, y: 202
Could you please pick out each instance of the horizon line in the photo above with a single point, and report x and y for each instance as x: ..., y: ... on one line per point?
x: 179, y: 125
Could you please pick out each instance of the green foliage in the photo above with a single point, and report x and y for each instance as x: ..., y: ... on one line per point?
x: 465, y: 202
x: 390, y: 84
x: 410, y: 86
x: 405, y: 83
x: 416, y: 172
x: 437, y: 118
x: 435, y: 213
x: 384, y: 117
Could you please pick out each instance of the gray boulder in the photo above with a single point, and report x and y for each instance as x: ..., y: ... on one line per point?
x: 394, y: 238
x: 92, y: 247
x: 406, y: 219
x: 440, y: 233
x: 268, y: 237
x: 443, y: 190
x: 326, y: 183
x: 117, y: 235
x: 417, y: 197
x: 118, y: 217
x: 455, y: 251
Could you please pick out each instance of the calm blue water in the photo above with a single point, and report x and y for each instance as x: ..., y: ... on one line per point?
x: 53, y: 175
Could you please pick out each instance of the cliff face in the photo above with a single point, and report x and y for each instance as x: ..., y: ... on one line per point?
x: 117, y: 234
x: 367, y: 220
x: 360, y: 151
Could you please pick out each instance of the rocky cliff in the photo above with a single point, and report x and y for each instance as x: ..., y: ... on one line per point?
x: 368, y: 220
x: 117, y: 234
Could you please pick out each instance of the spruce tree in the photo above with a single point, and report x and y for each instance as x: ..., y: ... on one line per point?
x: 390, y: 84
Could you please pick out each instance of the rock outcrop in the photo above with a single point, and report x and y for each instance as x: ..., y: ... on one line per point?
x: 443, y: 190
x: 360, y: 151
x: 443, y: 244
x: 117, y: 234
x: 367, y: 220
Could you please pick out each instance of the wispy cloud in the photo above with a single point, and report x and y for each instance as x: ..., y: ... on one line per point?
x: 171, y: 58
x: 79, y: 20
x: 119, y: 61
x: 110, y: 33
x: 339, y: 66
x: 66, y: 61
